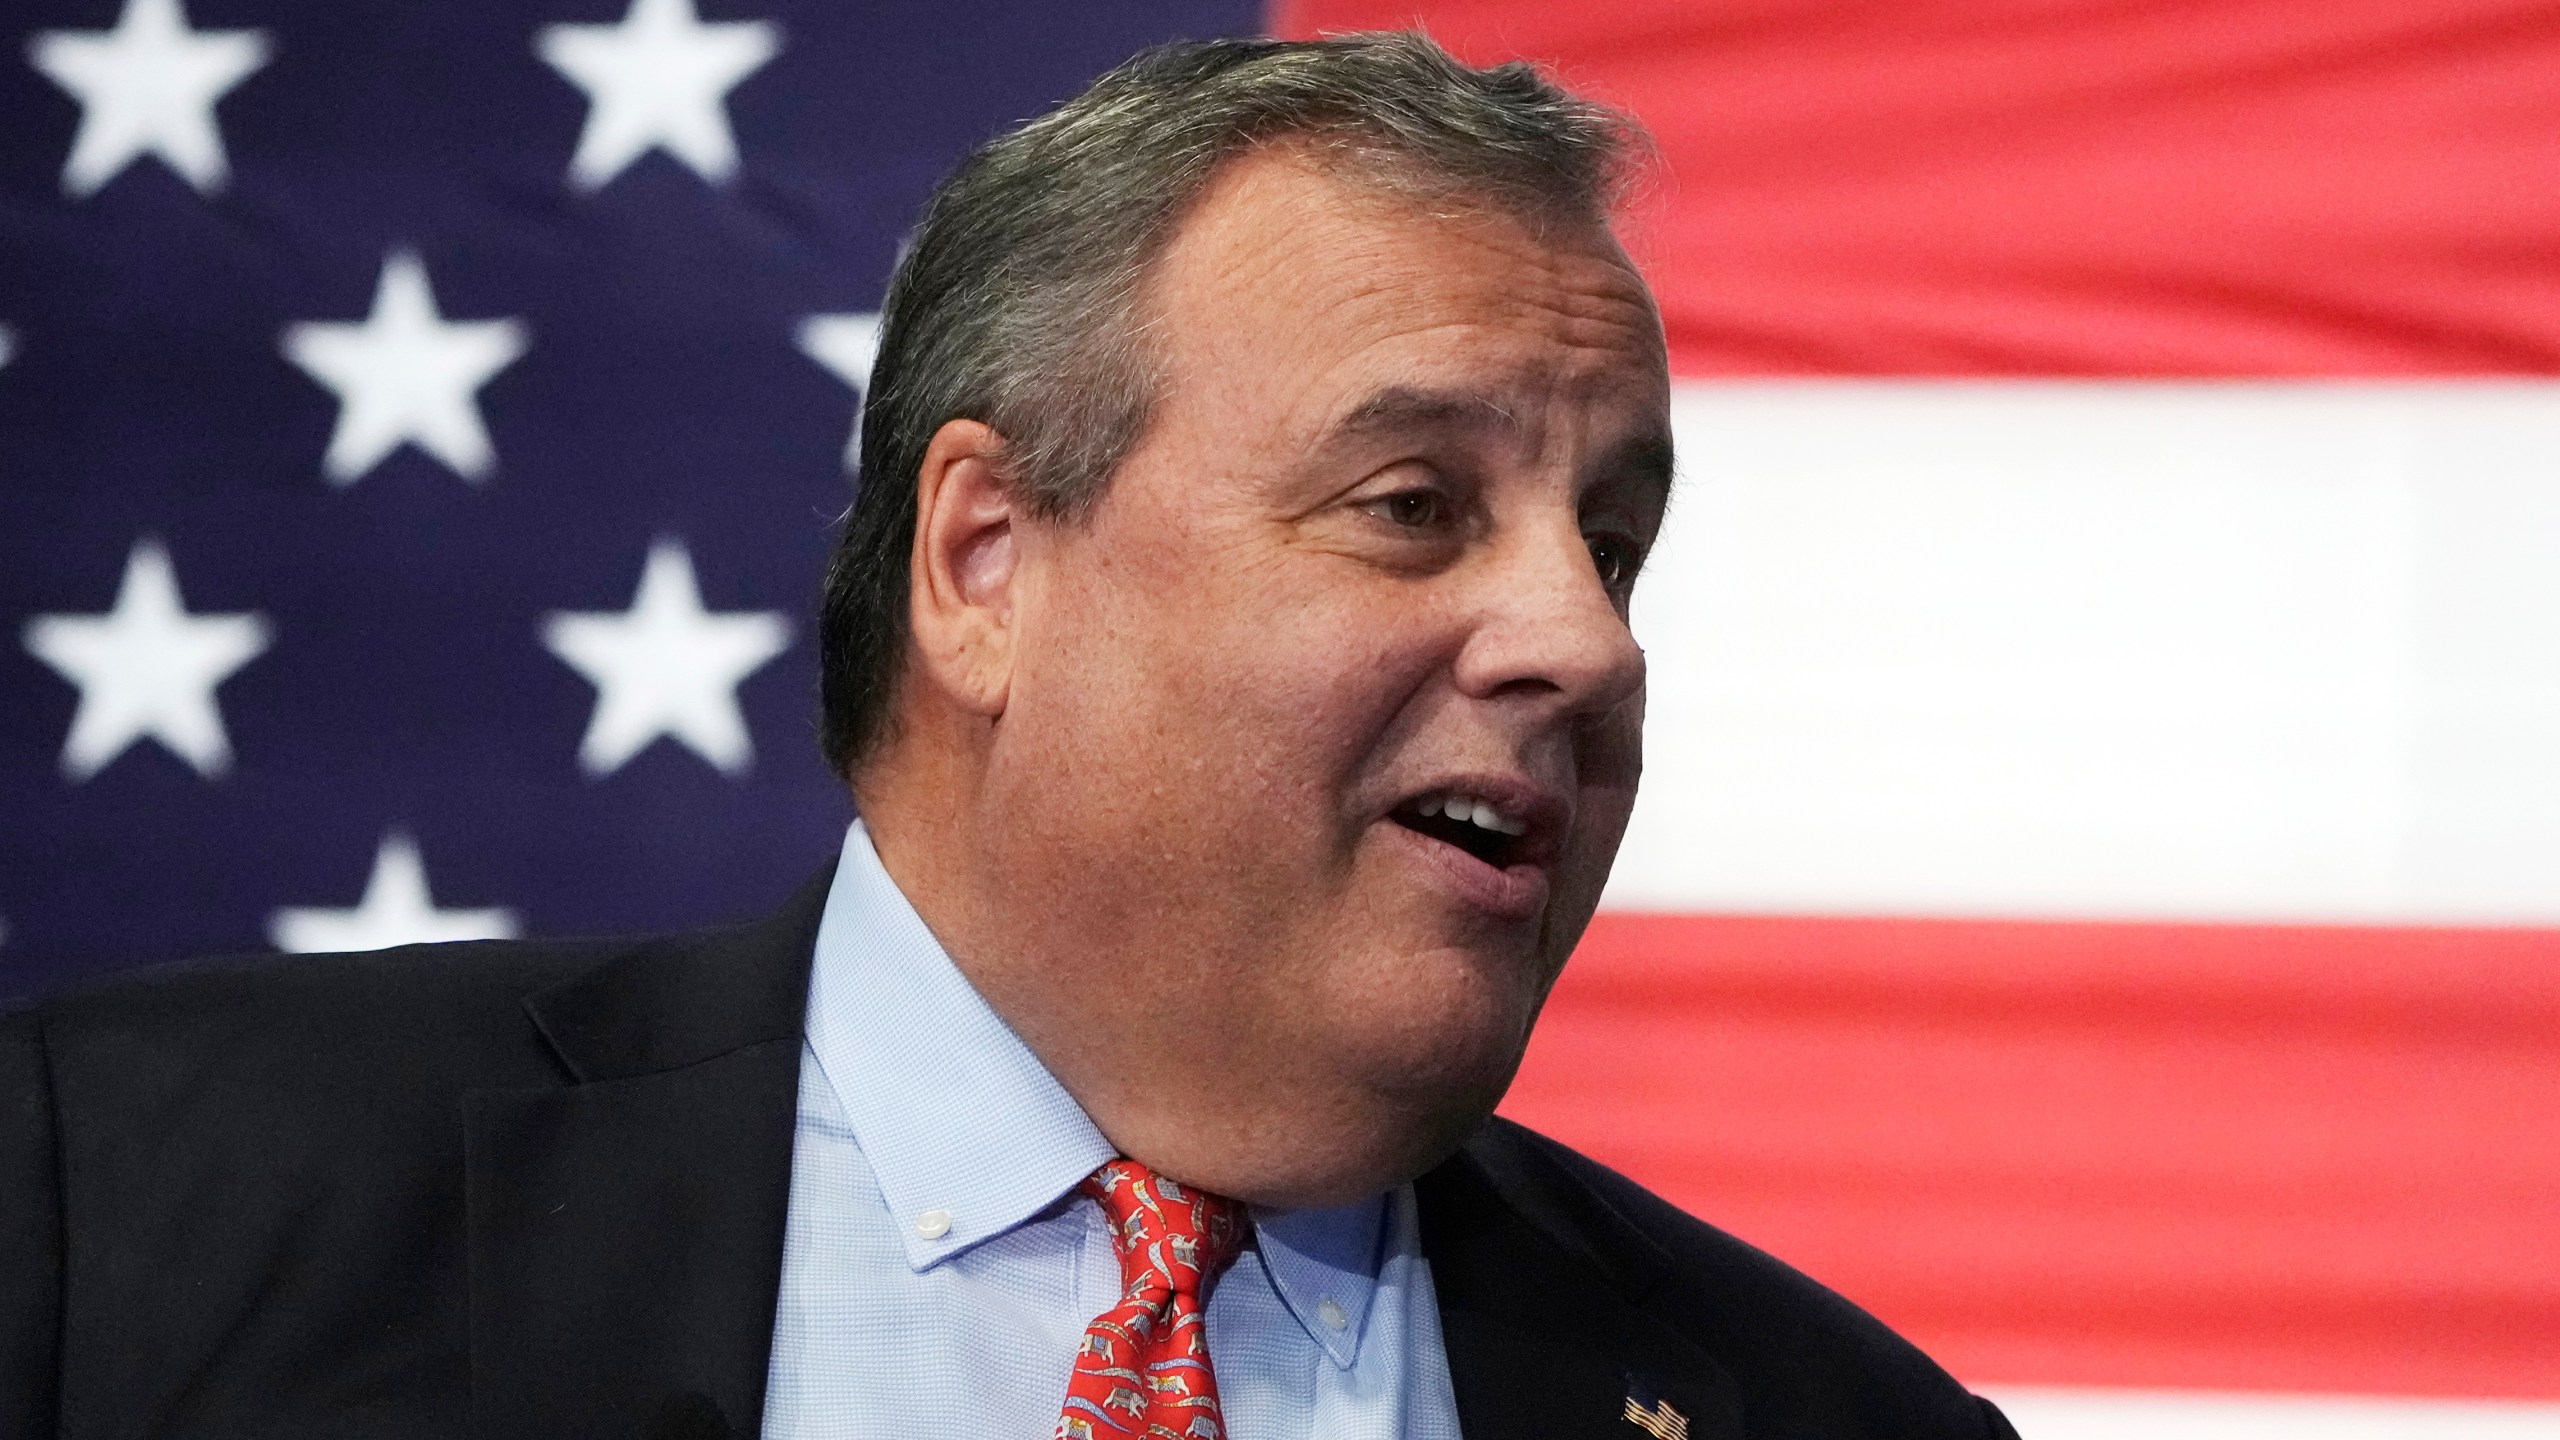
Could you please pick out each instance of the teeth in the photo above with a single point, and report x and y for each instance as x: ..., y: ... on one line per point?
x: 1467, y: 809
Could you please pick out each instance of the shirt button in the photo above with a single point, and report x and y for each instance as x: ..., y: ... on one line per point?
x: 1331, y: 1314
x: 934, y: 1224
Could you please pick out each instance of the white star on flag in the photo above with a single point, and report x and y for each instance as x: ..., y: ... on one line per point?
x: 146, y: 669
x: 395, y: 910
x: 846, y: 345
x: 666, y: 667
x: 405, y: 372
x: 660, y: 78
x: 147, y: 87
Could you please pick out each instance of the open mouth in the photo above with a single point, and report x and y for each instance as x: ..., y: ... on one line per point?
x: 1474, y: 825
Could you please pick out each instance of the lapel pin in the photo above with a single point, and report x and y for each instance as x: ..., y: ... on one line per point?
x: 1661, y: 1421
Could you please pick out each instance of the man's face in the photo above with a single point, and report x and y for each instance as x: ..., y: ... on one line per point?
x: 1324, y: 726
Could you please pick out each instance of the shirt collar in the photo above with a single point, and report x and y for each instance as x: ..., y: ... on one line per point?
x: 965, y: 1130
x: 1324, y: 1266
x: 969, y: 1135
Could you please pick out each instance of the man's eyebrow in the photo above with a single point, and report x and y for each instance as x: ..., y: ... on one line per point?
x: 1647, y: 460
x: 1405, y: 408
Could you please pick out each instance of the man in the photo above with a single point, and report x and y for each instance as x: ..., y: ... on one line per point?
x: 1228, y: 652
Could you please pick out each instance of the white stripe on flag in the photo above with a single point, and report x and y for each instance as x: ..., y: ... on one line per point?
x: 2239, y: 651
x: 2061, y: 1414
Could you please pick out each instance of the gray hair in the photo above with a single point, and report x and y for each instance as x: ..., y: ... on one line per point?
x: 1018, y: 302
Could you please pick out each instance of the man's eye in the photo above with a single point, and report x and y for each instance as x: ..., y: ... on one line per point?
x: 1414, y: 509
x: 1615, y: 559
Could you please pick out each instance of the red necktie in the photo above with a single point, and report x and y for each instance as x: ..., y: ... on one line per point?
x: 1144, y: 1367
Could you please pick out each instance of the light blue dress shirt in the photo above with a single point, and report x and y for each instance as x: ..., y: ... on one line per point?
x: 939, y: 1269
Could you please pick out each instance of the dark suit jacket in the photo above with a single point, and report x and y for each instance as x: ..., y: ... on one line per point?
x: 537, y: 1190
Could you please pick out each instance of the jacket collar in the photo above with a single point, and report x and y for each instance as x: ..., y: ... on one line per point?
x: 625, y: 1232
x: 687, y: 998
x: 1544, y: 1312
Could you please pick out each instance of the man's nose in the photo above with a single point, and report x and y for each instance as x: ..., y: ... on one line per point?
x: 1548, y: 628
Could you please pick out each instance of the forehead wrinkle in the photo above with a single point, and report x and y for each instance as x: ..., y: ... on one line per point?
x: 1582, y: 303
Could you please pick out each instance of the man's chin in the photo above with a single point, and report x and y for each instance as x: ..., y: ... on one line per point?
x: 1439, y: 1046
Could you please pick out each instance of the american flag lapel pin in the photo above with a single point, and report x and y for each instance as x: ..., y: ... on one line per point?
x: 1658, y: 1420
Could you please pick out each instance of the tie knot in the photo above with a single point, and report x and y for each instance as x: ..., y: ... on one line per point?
x: 1167, y: 1234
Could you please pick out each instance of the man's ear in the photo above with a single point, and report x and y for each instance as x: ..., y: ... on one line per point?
x: 960, y: 576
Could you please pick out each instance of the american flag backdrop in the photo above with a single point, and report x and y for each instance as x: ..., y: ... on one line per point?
x: 419, y: 439
x: 2096, y: 895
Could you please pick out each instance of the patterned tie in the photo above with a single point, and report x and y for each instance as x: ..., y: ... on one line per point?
x: 1144, y: 1369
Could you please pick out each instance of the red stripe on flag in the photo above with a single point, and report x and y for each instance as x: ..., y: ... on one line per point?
x: 2152, y: 1155
x: 1995, y: 187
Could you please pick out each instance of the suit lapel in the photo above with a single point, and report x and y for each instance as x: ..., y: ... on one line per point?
x: 626, y: 1230
x: 1541, y: 1310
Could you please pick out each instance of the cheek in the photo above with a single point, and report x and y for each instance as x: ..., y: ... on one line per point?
x: 1294, y: 685
x: 1222, y: 709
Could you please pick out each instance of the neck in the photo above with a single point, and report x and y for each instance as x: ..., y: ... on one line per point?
x: 1178, y: 1085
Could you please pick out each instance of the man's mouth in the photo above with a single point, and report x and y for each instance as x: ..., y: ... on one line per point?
x: 1470, y: 822
x: 1492, y: 840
